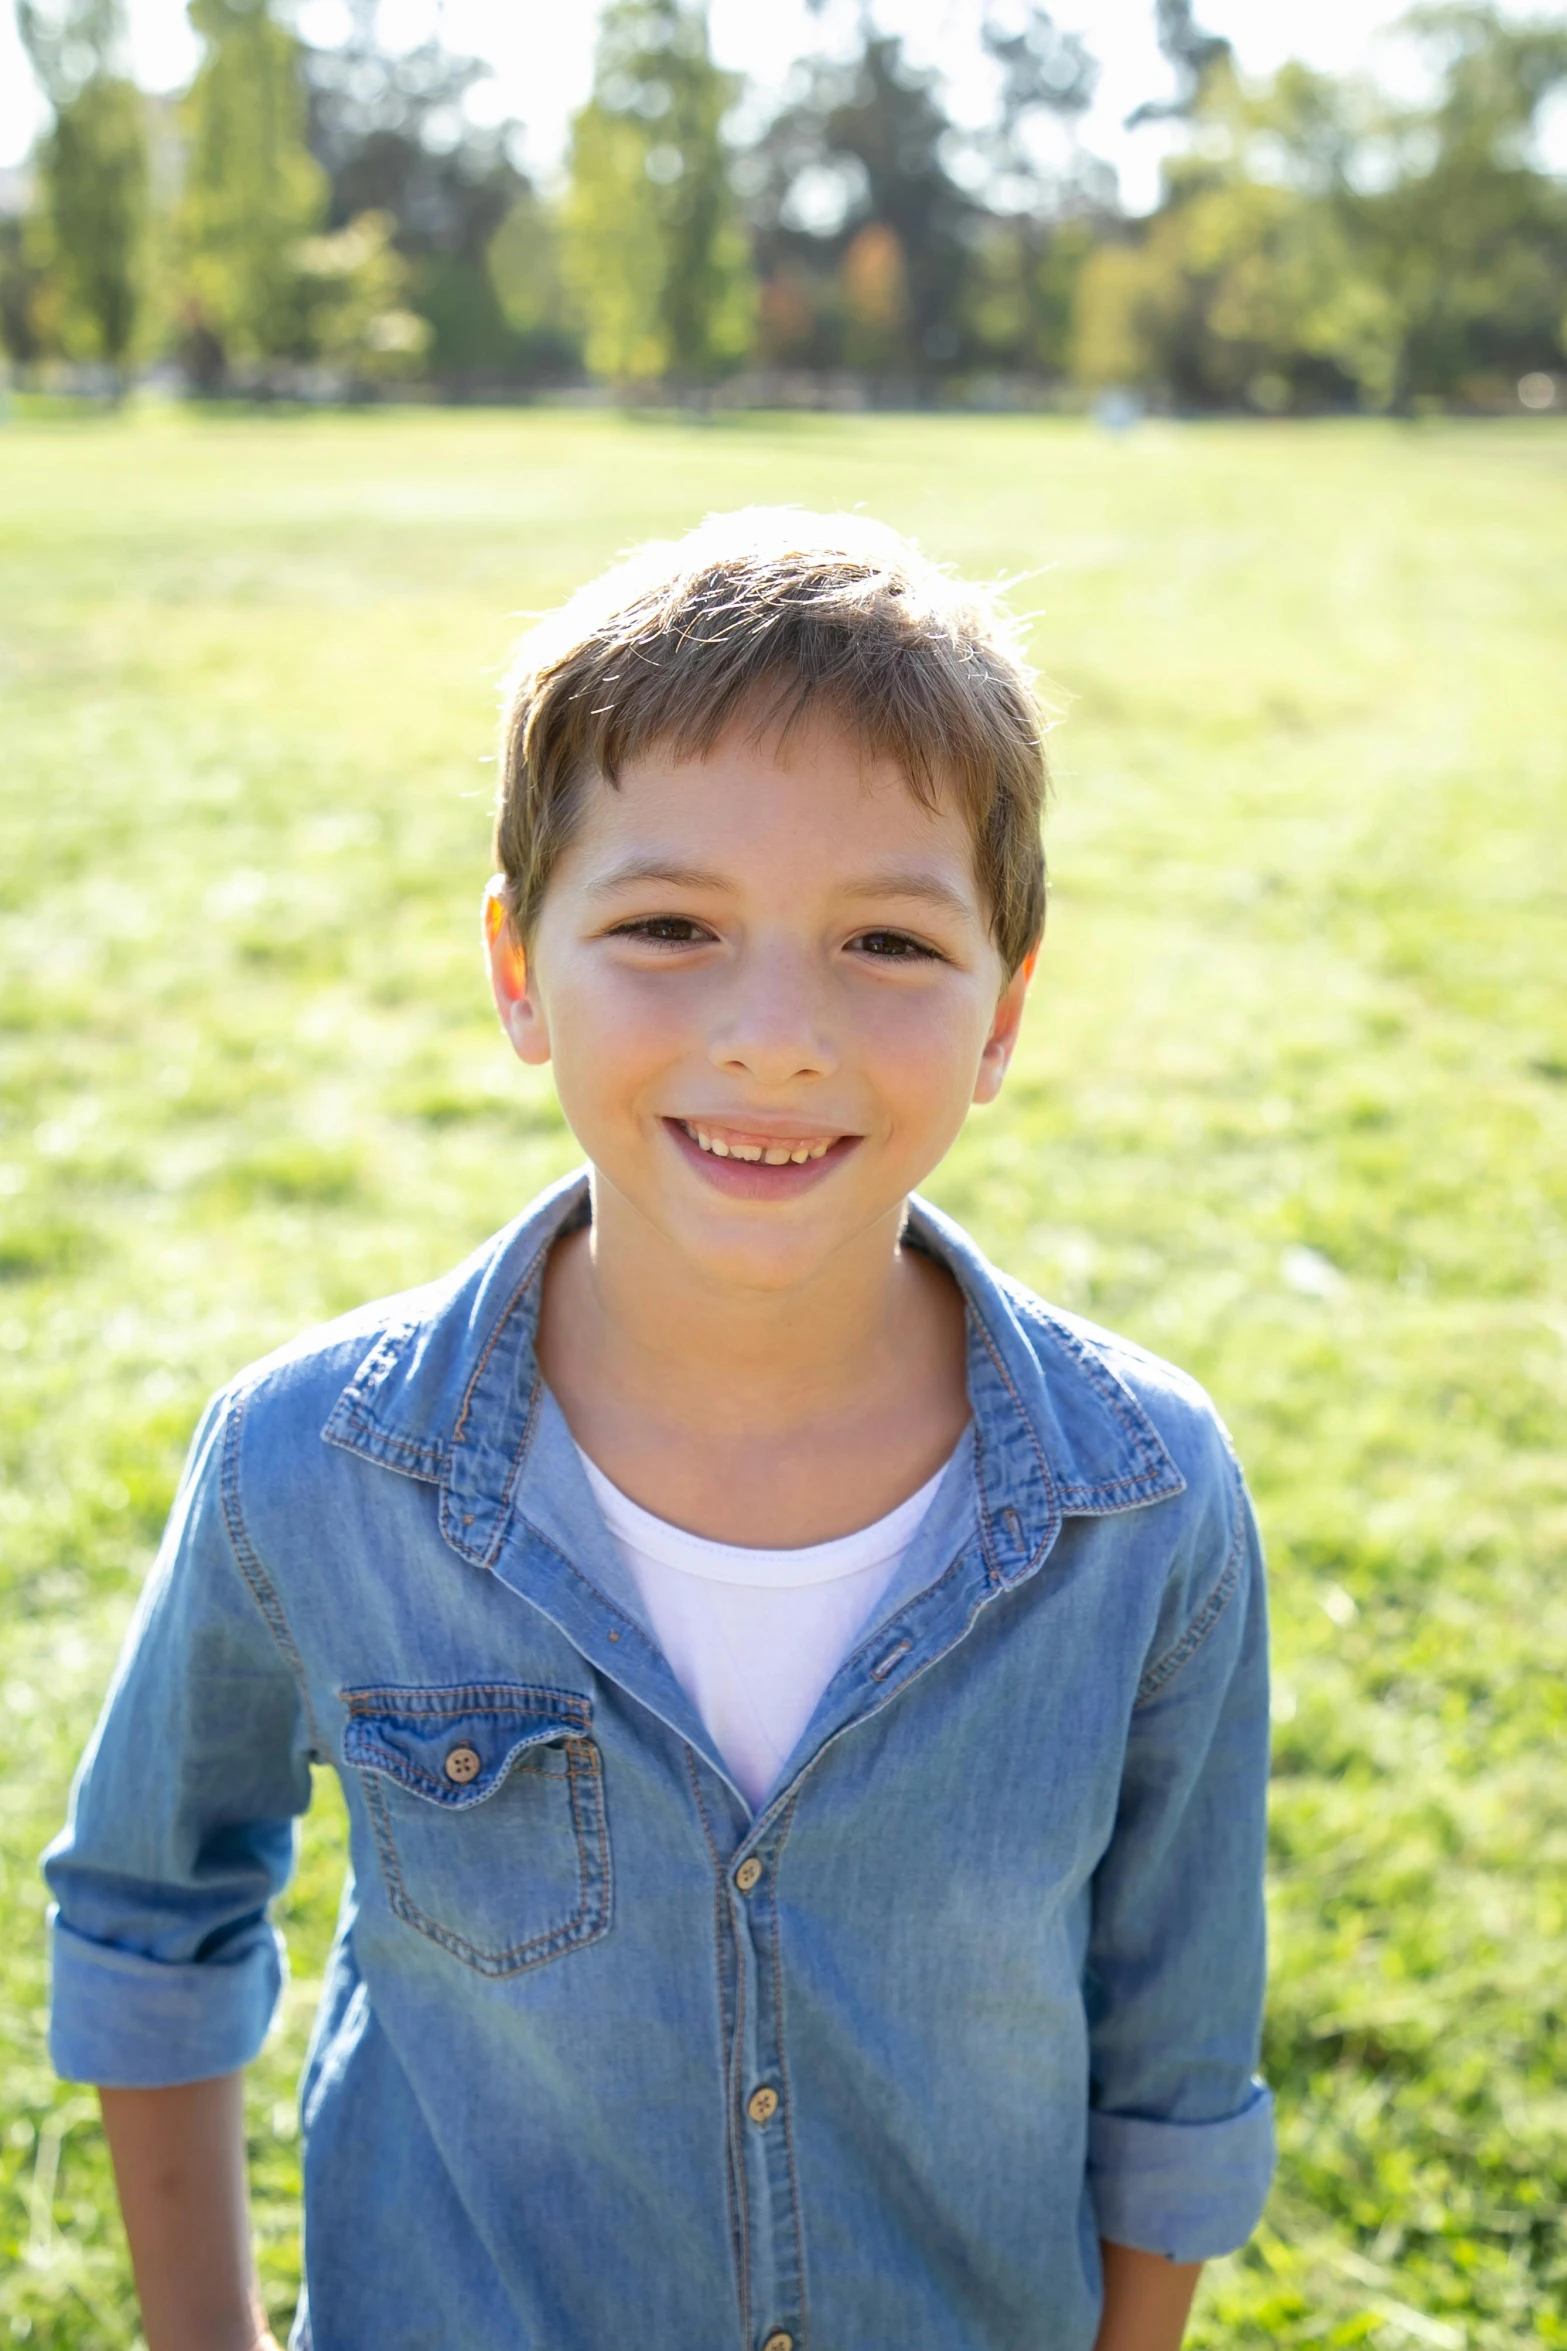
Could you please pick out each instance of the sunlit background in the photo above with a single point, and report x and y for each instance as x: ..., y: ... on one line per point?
x: 981, y: 202
x: 542, y: 58
x: 1229, y: 338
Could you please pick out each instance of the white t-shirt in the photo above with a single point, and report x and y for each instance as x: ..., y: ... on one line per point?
x: 755, y: 1636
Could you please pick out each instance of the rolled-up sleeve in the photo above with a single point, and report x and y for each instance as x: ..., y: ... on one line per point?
x: 1180, y: 2129
x: 165, y: 1967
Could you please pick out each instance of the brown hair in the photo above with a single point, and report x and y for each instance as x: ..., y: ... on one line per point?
x: 769, y: 615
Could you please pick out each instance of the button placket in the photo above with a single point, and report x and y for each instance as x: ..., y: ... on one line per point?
x: 763, y: 2155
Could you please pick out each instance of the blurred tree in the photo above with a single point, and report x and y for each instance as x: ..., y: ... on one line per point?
x: 1045, y: 198
x: 892, y: 124
x: 92, y: 173
x: 856, y: 211
x: 253, y: 192
x: 526, y: 269
x: 393, y: 134
x: 1322, y: 244
x: 1464, y: 231
x: 1246, y: 286
x: 26, y: 291
x: 982, y: 228
x: 1194, y: 54
x: 356, y: 286
x: 656, y: 256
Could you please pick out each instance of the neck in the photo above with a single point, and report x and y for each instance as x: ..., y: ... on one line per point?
x: 694, y: 1351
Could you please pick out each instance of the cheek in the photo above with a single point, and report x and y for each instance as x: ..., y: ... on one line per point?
x: 924, y: 1049
x: 613, y: 1029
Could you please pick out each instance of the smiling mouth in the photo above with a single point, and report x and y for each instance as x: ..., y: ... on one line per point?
x: 764, y: 1150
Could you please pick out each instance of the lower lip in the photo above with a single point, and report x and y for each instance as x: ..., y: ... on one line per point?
x: 753, y: 1179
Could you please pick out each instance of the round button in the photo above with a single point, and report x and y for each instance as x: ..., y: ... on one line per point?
x: 748, y: 1874
x: 762, y: 2105
x: 778, y: 2341
x: 463, y: 1765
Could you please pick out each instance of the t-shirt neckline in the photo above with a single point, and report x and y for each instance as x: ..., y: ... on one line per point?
x: 732, y: 1563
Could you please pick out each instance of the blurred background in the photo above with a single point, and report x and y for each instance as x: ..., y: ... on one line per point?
x: 1228, y: 340
x: 972, y: 202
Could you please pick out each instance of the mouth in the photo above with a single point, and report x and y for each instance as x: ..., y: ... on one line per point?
x: 750, y: 1164
x: 758, y: 1150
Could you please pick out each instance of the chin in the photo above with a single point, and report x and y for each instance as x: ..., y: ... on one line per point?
x: 738, y: 1257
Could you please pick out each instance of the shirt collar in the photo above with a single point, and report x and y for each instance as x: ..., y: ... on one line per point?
x: 451, y: 1393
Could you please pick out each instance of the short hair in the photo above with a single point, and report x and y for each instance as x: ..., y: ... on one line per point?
x: 764, y: 618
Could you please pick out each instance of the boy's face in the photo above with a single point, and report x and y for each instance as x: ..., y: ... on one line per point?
x: 767, y: 984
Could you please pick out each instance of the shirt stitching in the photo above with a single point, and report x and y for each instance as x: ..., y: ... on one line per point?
x: 524, y: 1448
x: 629, y: 1622
x: 417, y: 1779
x: 1104, y: 1383
x: 519, y: 1289
x: 588, y: 1922
x: 720, y: 1897
x: 785, y: 1823
x: 467, y: 1698
x: 258, y: 1582
x: 1007, y: 1382
x: 1207, y: 1615
x: 734, y: 2058
x: 879, y: 1634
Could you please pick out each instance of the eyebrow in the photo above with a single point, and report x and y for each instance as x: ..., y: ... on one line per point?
x: 656, y: 869
x: 913, y: 882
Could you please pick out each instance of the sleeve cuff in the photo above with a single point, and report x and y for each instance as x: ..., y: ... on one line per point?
x: 127, y: 2022
x: 1190, y: 2191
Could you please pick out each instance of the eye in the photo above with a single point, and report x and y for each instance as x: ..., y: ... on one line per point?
x: 895, y: 947
x: 663, y: 930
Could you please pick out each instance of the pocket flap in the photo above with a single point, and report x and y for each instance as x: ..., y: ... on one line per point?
x: 456, y: 1746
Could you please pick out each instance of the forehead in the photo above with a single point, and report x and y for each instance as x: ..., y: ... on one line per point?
x: 806, y: 807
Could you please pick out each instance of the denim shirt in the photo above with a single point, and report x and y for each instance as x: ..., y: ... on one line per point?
x: 597, y: 2049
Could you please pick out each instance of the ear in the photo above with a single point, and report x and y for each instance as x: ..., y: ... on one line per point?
x: 511, y: 980
x: 1000, y: 1043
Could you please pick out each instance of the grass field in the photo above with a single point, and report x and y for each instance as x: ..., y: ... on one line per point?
x: 1292, y: 1108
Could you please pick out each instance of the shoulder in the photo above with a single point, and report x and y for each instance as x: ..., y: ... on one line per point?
x: 314, y: 1367
x: 1203, y: 1545
x: 1180, y: 1409
x: 1113, y: 1426
x: 386, y: 1381
x: 390, y: 1379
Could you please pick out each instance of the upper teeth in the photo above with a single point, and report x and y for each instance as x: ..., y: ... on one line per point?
x: 772, y: 1154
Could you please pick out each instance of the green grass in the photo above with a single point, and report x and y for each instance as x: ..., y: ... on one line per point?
x: 1292, y: 1108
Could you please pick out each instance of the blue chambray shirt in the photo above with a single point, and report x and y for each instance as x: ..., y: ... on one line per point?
x: 994, y: 1944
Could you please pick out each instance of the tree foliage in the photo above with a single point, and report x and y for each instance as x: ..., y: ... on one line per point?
x: 356, y: 287
x: 1319, y: 242
x: 87, y: 246
x: 656, y: 255
x: 892, y: 242
x: 1322, y: 243
x: 391, y: 132
x: 253, y: 191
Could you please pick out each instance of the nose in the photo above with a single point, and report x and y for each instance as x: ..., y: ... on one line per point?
x: 775, y: 1021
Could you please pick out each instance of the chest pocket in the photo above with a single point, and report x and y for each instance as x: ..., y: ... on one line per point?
x: 487, y: 1803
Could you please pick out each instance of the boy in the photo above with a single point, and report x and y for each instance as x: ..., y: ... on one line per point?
x: 801, y: 1702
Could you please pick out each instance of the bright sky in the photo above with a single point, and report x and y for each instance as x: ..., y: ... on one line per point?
x: 542, y: 54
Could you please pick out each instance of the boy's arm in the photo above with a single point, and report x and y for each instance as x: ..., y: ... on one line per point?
x: 165, y: 1966
x: 1180, y: 2138
x: 179, y: 2165
x: 1146, y: 2300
